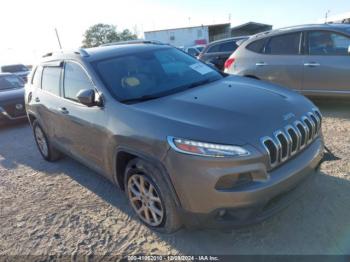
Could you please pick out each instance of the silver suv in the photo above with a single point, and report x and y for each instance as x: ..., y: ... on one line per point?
x: 185, y: 142
x: 311, y: 59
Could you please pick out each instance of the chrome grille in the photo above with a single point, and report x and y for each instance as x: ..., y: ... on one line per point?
x: 286, y: 142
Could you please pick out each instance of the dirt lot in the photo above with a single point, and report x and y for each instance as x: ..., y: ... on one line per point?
x: 65, y: 208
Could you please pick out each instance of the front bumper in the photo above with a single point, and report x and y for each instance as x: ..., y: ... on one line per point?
x: 195, y: 180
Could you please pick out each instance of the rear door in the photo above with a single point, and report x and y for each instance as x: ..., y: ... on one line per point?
x: 327, y: 65
x: 218, y: 53
x: 46, y: 98
x: 282, y: 60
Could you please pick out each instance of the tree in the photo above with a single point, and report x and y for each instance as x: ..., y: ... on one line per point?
x: 103, y: 34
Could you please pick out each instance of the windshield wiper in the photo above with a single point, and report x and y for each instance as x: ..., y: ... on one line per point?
x: 199, y: 83
x: 139, y: 99
x: 150, y: 97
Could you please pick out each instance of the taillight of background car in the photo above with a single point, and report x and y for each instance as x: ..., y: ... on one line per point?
x: 229, y: 62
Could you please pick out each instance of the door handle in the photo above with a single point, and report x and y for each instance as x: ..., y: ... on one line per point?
x: 37, y: 99
x: 63, y: 110
x: 312, y: 64
x: 261, y: 64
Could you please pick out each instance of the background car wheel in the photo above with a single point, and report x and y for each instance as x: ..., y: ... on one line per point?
x: 47, y: 151
x: 150, y: 198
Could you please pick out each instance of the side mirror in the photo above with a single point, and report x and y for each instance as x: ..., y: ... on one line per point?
x: 87, y: 97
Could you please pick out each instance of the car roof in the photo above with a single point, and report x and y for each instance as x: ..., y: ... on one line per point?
x: 227, y: 39
x: 102, y: 52
x: 334, y: 27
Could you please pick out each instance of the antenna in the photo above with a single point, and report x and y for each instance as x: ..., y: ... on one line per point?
x: 58, y: 38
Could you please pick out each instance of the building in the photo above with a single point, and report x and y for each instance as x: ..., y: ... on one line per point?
x: 204, y: 34
x: 189, y: 36
x: 250, y: 28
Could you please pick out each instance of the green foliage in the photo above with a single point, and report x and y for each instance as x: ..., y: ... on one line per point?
x: 102, y: 34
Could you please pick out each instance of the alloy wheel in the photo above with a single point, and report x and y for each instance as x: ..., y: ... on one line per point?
x: 145, y: 200
x: 41, y: 141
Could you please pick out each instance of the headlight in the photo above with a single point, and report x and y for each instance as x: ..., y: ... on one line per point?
x: 205, y: 149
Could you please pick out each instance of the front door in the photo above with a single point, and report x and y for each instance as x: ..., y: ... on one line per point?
x: 83, y: 132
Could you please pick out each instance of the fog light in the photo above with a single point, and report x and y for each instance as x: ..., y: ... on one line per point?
x: 229, y: 182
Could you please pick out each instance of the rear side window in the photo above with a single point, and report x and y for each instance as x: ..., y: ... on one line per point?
x: 257, y: 46
x: 213, y: 49
x: 228, y: 46
x: 288, y: 44
x: 36, y: 82
x: 75, y: 79
x: 51, y: 80
x: 328, y: 43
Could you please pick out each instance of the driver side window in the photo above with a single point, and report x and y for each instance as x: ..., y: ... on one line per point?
x: 75, y: 79
x: 328, y: 43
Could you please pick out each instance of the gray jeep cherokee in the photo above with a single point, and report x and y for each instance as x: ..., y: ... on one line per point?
x: 187, y: 144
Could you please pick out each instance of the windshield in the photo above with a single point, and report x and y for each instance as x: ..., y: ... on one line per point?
x: 153, y: 73
x: 10, y: 82
x: 13, y: 68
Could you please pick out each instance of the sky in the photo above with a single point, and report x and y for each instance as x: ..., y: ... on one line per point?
x: 27, y: 26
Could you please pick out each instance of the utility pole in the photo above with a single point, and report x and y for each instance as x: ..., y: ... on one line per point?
x: 326, y: 16
x: 58, y: 38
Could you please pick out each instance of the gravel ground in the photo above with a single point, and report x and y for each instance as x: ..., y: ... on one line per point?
x: 65, y: 208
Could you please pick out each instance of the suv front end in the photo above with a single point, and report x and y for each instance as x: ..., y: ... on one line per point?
x: 241, y: 189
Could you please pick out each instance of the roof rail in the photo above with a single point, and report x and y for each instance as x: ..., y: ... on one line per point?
x: 82, y: 52
x: 134, y: 42
x: 285, y: 29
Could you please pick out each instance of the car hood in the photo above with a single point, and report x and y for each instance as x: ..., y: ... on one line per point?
x: 234, y: 110
x: 11, y: 94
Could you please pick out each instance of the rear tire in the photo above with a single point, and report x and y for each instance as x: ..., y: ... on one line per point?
x: 150, y: 197
x: 47, y: 151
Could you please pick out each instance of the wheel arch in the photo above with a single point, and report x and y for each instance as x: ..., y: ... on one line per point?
x: 31, y: 118
x: 252, y: 76
x: 123, y: 155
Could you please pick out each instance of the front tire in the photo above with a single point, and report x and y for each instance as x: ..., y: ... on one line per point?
x: 150, y: 198
x: 47, y: 151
